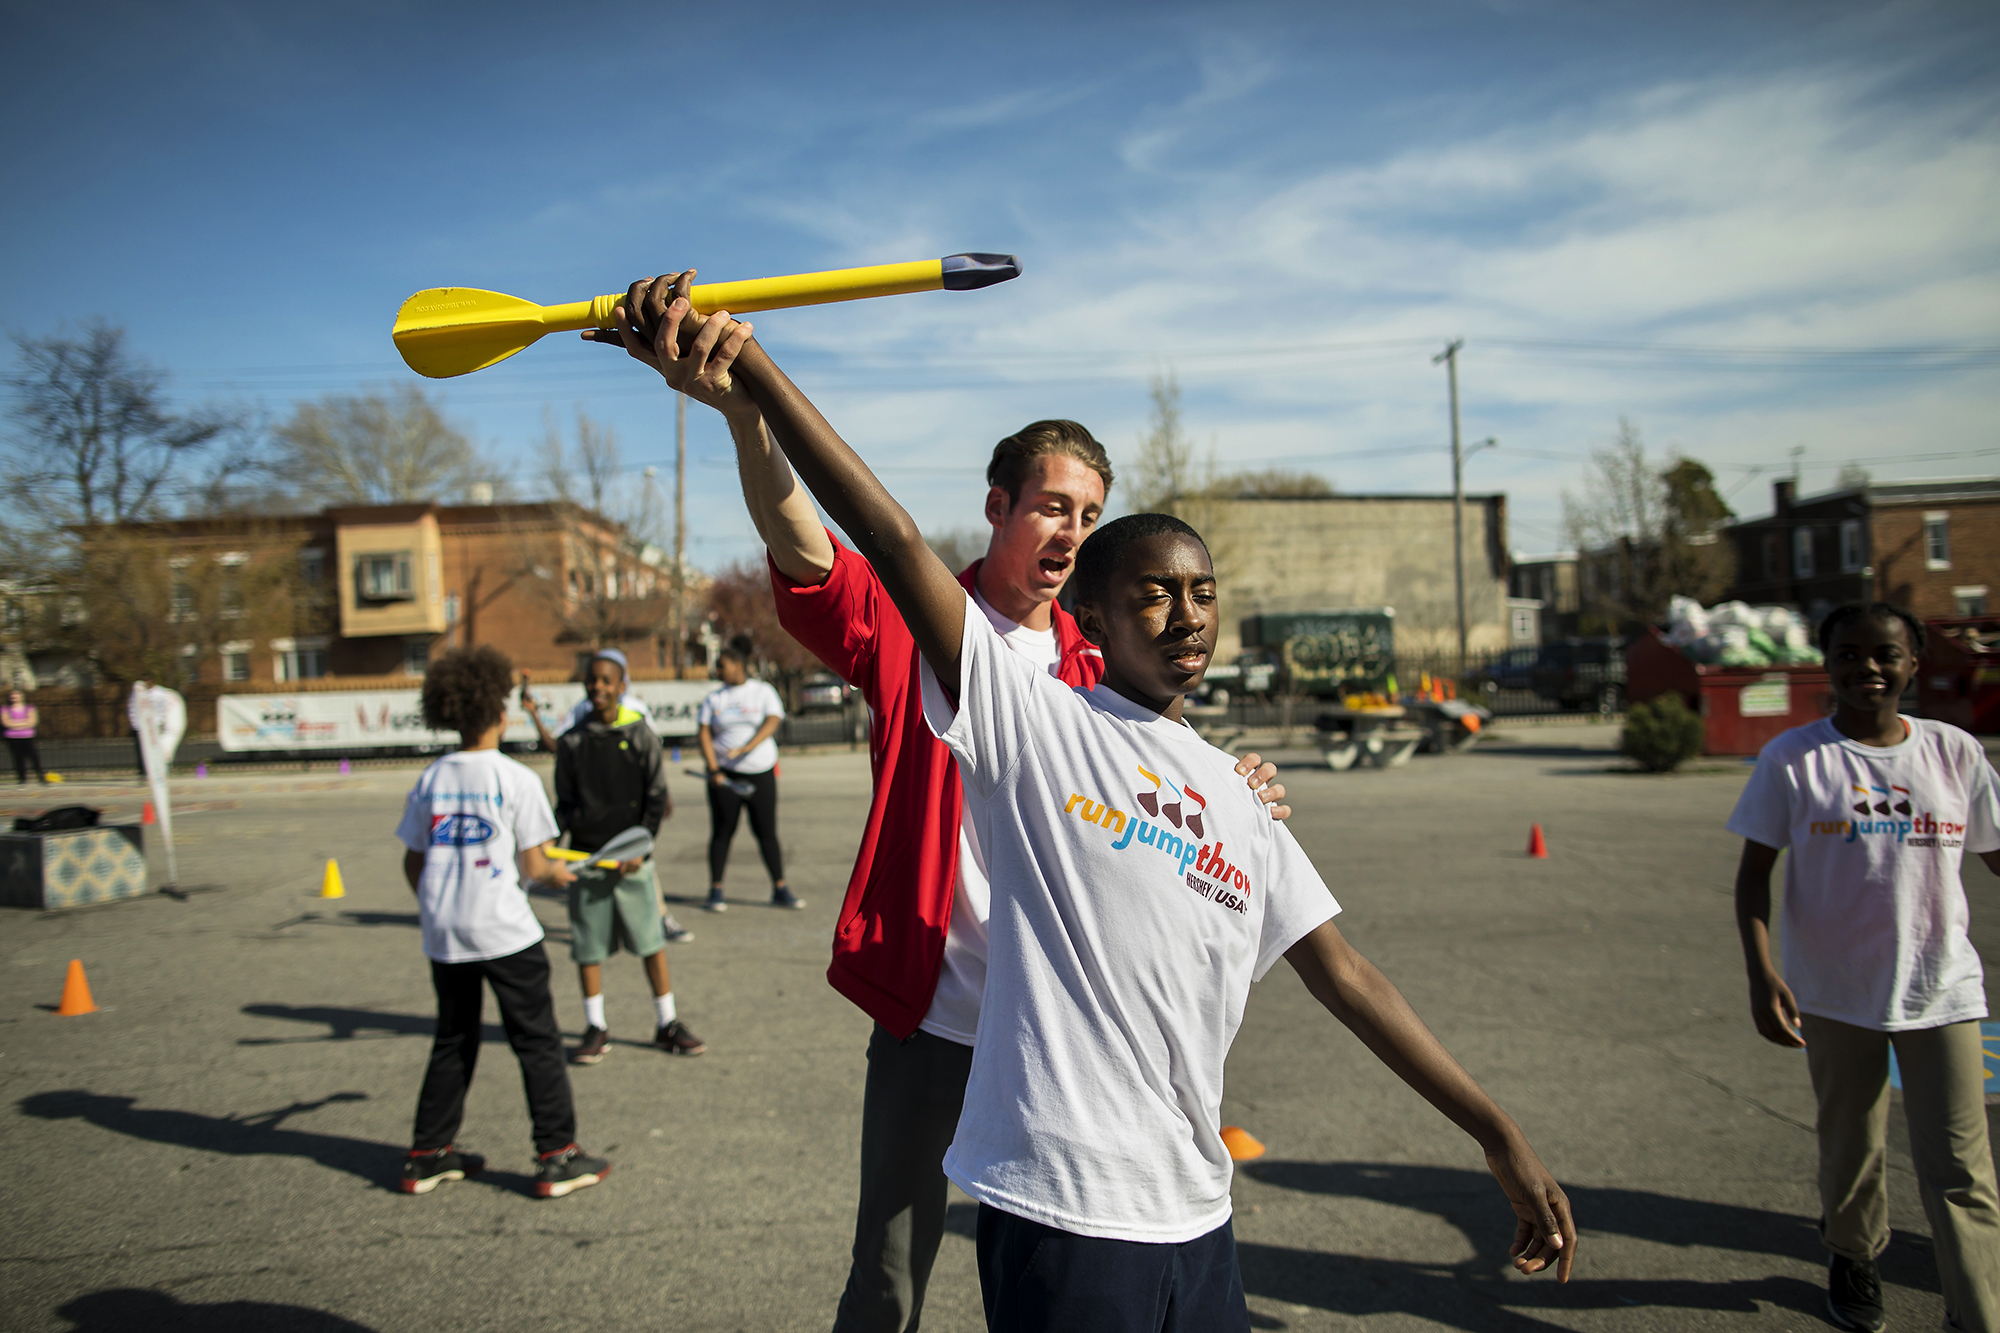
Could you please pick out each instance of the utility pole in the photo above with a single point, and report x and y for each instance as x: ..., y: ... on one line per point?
x: 680, y: 530
x: 1450, y: 358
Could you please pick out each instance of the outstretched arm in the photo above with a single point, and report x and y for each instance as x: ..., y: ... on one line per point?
x: 1357, y: 994
x: 713, y: 354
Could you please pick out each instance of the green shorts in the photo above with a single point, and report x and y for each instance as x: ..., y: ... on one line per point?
x: 608, y: 911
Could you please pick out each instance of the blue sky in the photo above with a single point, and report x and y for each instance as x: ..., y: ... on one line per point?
x: 1674, y: 213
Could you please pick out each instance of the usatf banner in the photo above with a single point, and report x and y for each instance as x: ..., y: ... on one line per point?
x: 367, y: 719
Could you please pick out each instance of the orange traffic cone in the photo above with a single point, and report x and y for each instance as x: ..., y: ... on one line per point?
x: 1242, y: 1147
x: 148, y: 817
x: 1536, y: 847
x: 330, y: 885
x: 76, y: 993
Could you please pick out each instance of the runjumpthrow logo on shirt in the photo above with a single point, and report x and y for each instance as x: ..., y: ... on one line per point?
x: 1219, y: 882
x: 459, y: 831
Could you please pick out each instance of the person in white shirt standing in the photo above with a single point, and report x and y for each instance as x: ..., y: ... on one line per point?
x: 472, y: 826
x: 738, y: 723
x: 1131, y: 909
x: 1878, y: 811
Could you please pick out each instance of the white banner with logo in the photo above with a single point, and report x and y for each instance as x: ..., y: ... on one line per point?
x: 365, y: 719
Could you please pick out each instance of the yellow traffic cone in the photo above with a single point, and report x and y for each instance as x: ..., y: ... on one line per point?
x: 330, y: 887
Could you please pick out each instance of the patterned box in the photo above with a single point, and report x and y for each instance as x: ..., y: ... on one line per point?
x: 73, y: 867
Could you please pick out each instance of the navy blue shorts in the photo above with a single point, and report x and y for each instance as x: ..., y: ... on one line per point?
x: 1036, y: 1279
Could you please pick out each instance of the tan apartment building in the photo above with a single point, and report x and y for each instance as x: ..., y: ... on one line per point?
x: 380, y: 590
x: 1333, y: 552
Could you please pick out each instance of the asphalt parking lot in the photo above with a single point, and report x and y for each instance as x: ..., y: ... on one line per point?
x: 216, y: 1148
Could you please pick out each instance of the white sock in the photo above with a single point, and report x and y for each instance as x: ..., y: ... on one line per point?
x: 593, y: 1011
x: 663, y: 1009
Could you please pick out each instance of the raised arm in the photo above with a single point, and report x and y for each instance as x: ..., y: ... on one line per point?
x: 1355, y: 992
x: 704, y: 357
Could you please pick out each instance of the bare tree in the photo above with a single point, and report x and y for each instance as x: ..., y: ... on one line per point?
x: 1166, y: 473
x: 1644, y: 533
x: 379, y: 448
x: 959, y: 547
x: 1271, y: 484
x: 94, y: 440
x: 601, y: 570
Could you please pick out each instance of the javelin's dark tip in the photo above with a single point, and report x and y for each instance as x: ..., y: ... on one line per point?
x: 963, y: 273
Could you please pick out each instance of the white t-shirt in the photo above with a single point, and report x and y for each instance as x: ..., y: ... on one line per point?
x: 1874, y: 926
x: 954, y: 1011
x: 470, y: 814
x: 1120, y: 951
x: 732, y: 715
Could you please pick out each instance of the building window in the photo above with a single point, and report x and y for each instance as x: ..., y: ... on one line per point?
x: 1774, y: 557
x: 235, y: 664
x: 416, y: 656
x: 312, y: 566
x: 232, y: 595
x: 1851, y: 554
x: 299, y: 659
x: 1802, y: 553
x: 1970, y: 601
x: 1937, y: 541
x: 180, y: 605
x: 383, y: 577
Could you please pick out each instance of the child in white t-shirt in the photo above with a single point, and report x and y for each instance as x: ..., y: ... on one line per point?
x: 1877, y: 811
x: 475, y: 821
x: 1137, y: 891
x: 738, y: 724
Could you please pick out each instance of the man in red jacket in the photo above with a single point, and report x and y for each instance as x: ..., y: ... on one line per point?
x: 910, y: 944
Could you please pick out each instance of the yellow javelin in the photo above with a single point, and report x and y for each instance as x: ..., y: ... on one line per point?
x: 447, y: 331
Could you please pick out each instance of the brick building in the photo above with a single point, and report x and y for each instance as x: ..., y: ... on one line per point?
x: 1932, y: 547
x: 380, y: 590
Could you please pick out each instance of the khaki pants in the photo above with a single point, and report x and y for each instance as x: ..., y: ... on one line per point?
x: 1944, y: 1099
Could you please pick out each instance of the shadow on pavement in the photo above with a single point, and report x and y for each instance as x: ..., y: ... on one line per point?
x: 348, y: 1024
x: 1470, y: 1202
x: 254, y: 1135
x: 124, y: 1309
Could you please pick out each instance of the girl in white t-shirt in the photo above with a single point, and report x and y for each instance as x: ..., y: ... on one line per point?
x: 1877, y: 811
x: 474, y: 824
x: 738, y: 723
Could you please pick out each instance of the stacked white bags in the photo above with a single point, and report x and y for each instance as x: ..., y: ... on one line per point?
x: 1738, y: 634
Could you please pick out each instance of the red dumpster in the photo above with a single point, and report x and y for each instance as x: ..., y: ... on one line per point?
x: 1741, y: 707
x: 1958, y: 680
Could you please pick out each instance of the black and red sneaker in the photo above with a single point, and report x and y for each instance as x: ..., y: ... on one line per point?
x: 424, y: 1171
x: 596, y: 1044
x: 567, y: 1170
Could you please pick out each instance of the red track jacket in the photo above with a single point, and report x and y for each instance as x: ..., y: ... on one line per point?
x: 889, y: 942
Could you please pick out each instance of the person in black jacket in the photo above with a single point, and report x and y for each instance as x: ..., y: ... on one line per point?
x: 610, y: 777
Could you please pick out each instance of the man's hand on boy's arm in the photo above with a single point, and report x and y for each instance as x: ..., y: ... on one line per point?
x: 1357, y: 994
x: 928, y: 595
x: 1259, y: 773
x: 1772, y: 1006
x: 783, y: 514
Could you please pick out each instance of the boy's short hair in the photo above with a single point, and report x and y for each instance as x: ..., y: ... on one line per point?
x: 738, y: 649
x: 1101, y: 552
x: 1840, y: 615
x: 466, y: 690
x: 1015, y: 455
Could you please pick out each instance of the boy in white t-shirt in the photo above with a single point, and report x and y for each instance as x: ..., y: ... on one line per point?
x: 738, y: 726
x: 473, y: 824
x: 1137, y: 891
x: 1878, y: 811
